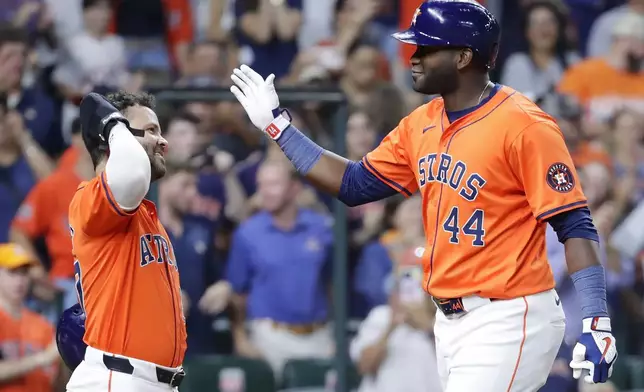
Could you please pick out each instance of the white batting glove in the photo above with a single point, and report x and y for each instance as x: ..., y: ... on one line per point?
x: 258, y: 98
x: 595, y: 352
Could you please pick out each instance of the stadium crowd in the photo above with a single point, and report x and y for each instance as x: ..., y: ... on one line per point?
x: 254, y: 244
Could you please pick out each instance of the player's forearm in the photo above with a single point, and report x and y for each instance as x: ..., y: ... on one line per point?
x: 326, y: 174
x: 349, y: 181
x: 11, y: 369
x: 128, y: 169
x: 582, y: 257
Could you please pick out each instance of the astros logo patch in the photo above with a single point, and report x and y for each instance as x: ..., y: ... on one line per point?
x: 560, y: 178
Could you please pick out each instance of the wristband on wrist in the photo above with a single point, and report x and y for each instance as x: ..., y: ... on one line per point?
x: 596, y: 324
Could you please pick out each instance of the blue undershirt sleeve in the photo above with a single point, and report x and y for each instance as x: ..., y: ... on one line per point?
x: 360, y: 186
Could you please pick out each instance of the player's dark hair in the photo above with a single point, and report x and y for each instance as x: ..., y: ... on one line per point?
x: 122, y: 100
x: 12, y: 34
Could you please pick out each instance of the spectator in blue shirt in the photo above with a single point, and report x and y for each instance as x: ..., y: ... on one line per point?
x: 41, y: 114
x: 279, y: 270
x: 267, y: 33
x: 22, y: 164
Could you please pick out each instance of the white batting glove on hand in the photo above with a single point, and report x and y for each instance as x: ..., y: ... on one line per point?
x: 595, y: 351
x: 259, y: 99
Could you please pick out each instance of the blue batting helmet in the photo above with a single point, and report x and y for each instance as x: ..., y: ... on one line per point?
x: 454, y: 23
x: 69, y: 336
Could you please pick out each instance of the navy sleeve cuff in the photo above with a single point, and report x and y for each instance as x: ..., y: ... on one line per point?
x: 360, y: 186
x: 575, y: 223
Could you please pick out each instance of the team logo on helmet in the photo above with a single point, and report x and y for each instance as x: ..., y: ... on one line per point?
x: 560, y: 178
x: 413, y: 18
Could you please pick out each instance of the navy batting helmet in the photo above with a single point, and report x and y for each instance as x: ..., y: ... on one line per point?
x: 69, y: 336
x: 454, y: 23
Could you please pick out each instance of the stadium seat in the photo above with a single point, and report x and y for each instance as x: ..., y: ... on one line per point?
x: 227, y: 373
x: 310, y: 373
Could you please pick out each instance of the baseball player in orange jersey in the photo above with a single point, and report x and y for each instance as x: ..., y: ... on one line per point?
x: 492, y: 170
x: 126, y: 274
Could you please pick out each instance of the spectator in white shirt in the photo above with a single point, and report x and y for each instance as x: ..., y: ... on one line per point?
x: 394, y: 348
x: 537, y: 69
x: 601, y: 37
x: 94, y: 58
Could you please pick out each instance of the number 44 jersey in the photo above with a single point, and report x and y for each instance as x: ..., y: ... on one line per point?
x: 489, y: 180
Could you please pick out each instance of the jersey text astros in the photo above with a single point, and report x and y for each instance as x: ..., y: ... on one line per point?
x: 126, y: 277
x: 489, y: 181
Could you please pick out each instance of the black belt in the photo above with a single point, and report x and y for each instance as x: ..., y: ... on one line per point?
x: 123, y: 365
x: 450, y: 306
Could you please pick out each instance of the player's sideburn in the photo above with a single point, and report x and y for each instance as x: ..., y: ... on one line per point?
x: 479, y: 227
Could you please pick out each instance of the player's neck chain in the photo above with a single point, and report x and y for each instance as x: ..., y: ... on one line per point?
x: 483, y: 92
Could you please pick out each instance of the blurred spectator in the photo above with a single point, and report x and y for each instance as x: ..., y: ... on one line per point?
x: 35, y: 17
x: 365, y: 220
x: 157, y: 34
x: 604, y: 84
x: 394, y: 349
x: 317, y: 22
x: 43, y: 214
x: 536, y: 70
x: 22, y: 164
x: 29, y: 359
x: 182, y: 134
x: 364, y: 76
x: 193, y: 245
x: 399, y: 245
x: 206, y: 65
x: 41, y: 115
x: 67, y: 16
x: 599, y: 40
x: 324, y: 60
x: 583, y: 148
x: 627, y: 128
x: 94, y: 58
x: 279, y: 268
x: 213, y: 19
x: 267, y: 32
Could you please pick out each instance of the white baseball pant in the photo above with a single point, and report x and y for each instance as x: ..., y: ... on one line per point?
x: 499, y: 346
x: 93, y: 376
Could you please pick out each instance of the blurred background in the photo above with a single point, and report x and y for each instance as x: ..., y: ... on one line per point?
x: 255, y: 244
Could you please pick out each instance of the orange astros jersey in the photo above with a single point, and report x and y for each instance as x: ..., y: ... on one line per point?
x: 488, y: 182
x: 126, y: 277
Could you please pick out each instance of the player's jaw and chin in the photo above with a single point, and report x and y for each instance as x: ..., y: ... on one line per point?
x: 433, y: 71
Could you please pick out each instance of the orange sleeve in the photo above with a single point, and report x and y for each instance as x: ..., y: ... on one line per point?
x: 540, y: 159
x: 35, y: 212
x: 391, y: 163
x: 94, y: 209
